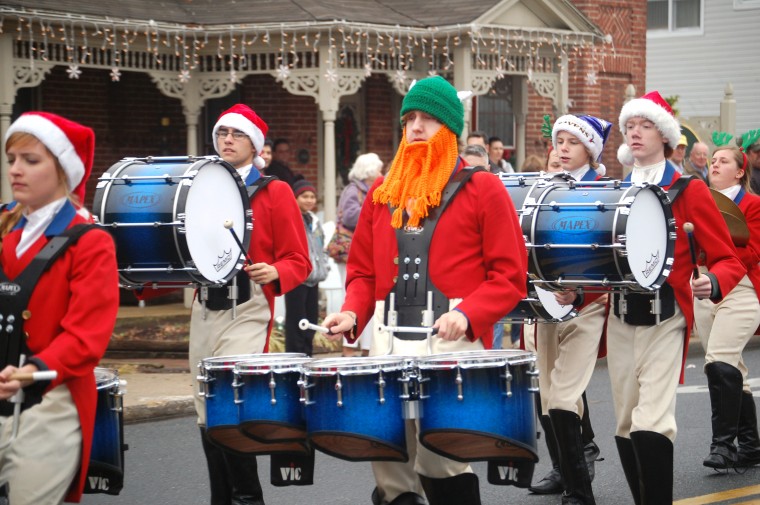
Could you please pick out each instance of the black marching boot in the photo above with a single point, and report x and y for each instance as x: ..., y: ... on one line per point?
x: 462, y: 489
x: 747, y: 437
x: 572, y: 462
x: 630, y: 467
x: 725, y: 385
x: 590, y: 449
x: 551, y: 483
x: 217, y: 472
x: 244, y: 476
x: 654, y: 453
x: 408, y: 498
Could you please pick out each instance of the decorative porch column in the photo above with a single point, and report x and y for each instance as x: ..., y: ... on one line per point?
x: 728, y: 110
x: 7, y: 97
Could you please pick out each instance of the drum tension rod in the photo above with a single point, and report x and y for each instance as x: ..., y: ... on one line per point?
x: 458, y: 381
x: 508, y: 380
x: 339, y: 390
x: 381, y: 387
x: 272, y: 388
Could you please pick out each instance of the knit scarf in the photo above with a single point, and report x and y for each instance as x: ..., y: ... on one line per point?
x: 417, y: 177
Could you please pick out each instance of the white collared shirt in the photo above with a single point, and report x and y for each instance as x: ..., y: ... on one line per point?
x: 732, y: 191
x: 651, y: 173
x: 36, y: 224
x: 579, y: 173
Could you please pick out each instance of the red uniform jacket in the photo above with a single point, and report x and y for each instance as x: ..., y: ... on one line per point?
x: 749, y: 204
x: 697, y: 206
x: 73, y: 312
x: 279, y: 238
x: 477, y: 253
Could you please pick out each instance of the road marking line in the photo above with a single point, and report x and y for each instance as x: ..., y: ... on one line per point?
x: 723, y: 496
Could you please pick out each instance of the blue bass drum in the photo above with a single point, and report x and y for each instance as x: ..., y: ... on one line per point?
x: 606, y: 235
x: 354, y: 407
x: 479, y: 405
x: 167, y: 217
x: 268, y: 394
x: 216, y: 386
x: 105, y: 473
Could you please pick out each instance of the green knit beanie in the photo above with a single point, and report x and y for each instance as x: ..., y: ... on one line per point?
x: 436, y: 97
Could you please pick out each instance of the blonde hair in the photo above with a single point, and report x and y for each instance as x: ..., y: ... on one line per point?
x: 741, y: 160
x: 11, y: 218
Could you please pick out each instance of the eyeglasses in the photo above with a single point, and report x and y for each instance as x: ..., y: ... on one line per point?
x: 222, y: 134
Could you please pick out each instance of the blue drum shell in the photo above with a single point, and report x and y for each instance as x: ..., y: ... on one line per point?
x: 573, y: 226
x: 363, y: 429
x: 264, y: 421
x: 486, y: 424
x: 221, y: 410
x: 106, y: 437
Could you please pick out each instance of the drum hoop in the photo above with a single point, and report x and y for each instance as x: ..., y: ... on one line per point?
x: 106, y: 378
x: 266, y: 366
x: 354, y: 366
x: 619, y: 222
x: 541, y: 310
x: 475, y: 359
x: 229, y: 362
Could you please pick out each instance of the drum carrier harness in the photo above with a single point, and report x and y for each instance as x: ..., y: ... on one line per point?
x: 14, y: 303
x: 239, y: 288
x: 414, y: 300
x: 650, y: 309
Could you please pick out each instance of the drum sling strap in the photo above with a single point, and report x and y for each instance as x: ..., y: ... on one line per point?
x: 219, y: 298
x: 15, y: 296
x: 413, y: 281
x: 642, y: 309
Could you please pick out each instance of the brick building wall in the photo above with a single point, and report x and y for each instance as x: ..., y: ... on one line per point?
x: 381, y: 118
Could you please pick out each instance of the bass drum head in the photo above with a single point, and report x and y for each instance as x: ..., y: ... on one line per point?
x: 552, y: 307
x: 213, y: 198
x: 647, y: 241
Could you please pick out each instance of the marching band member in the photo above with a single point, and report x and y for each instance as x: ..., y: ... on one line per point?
x: 280, y: 251
x: 474, y: 283
x: 60, y: 317
x: 567, y: 352
x: 726, y: 327
x: 645, y: 359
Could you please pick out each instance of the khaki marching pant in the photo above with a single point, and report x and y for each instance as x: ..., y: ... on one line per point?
x: 41, y: 462
x: 645, y: 364
x: 220, y: 335
x: 566, y: 356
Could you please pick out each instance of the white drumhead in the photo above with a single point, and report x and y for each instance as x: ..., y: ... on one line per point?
x: 646, y: 238
x: 214, y: 198
x: 106, y: 377
x: 550, y: 303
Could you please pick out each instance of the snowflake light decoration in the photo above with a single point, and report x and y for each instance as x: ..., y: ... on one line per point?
x: 73, y: 71
x: 283, y: 72
x: 331, y: 75
x: 367, y: 69
x: 400, y: 77
x: 184, y: 76
x: 591, y: 79
x: 115, y: 74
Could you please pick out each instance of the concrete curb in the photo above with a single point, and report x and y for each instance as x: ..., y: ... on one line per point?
x: 159, y: 408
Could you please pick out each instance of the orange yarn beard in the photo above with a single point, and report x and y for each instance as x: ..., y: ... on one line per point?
x: 417, y: 176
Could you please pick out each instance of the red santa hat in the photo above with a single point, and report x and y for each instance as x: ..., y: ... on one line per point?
x: 71, y: 143
x: 654, y: 108
x: 243, y: 118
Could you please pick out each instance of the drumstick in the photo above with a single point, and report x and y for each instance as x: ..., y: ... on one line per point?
x: 229, y: 224
x: 689, y: 229
x: 304, y: 324
x: 47, y: 375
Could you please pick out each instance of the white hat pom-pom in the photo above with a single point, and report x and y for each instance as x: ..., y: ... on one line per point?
x: 625, y: 156
x: 259, y: 162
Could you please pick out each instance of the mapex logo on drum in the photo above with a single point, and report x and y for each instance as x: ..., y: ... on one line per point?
x: 574, y: 224
x: 9, y: 288
x: 140, y: 200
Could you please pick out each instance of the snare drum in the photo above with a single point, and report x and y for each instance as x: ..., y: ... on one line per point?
x: 354, y: 407
x: 167, y: 218
x: 520, y: 184
x: 105, y: 473
x: 479, y: 405
x: 268, y: 395
x: 599, y: 234
x: 215, y: 382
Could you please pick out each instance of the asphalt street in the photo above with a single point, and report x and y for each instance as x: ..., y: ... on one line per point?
x: 165, y: 462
